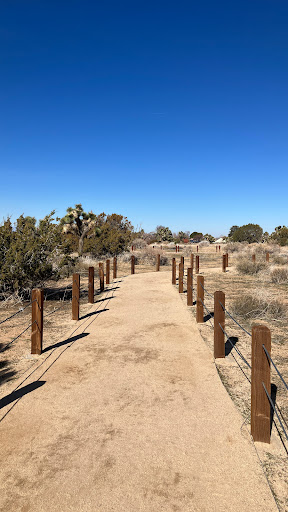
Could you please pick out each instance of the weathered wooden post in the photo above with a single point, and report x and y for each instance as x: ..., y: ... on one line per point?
x: 223, y: 262
x: 219, y: 248
x: 181, y: 272
x: 260, y: 377
x: 133, y: 264
x: 219, y: 320
x: 190, y: 287
x: 254, y: 258
x: 75, y: 296
x: 158, y: 263
x: 216, y: 248
x: 132, y: 248
x: 197, y: 264
x: 200, y: 300
x: 114, y: 267
x: 91, y: 285
x: 173, y: 270
x: 227, y: 263
x: 182, y: 261
x: 37, y: 298
x: 197, y: 248
x: 192, y: 260
x: 267, y: 257
x: 101, y: 276
x: 178, y: 248
x: 107, y: 271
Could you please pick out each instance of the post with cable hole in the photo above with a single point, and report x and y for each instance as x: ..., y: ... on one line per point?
x: 260, y: 374
x: 133, y: 264
x: 223, y: 262
x: 91, y: 285
x: 101, y: 277
x: 37, y: 321
x: 197, y: 264
x: 181, y: 273
x: 114, y: 267
x: 189, y: 286
x: 157, y: 262
x: 75, y: 296
x: 219, y: 320
x: 200, y: 300
x: 173, y: 270
x: 107, y: 271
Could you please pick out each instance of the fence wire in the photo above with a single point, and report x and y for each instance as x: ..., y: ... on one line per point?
x: 17, y: 337
x: 274, y: 409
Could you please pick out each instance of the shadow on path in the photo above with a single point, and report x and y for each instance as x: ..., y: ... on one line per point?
x: 94, y: 312
x: 16, y: 395
x: 65, y: 342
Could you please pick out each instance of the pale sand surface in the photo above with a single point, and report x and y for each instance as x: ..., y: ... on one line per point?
x: 132, y: 417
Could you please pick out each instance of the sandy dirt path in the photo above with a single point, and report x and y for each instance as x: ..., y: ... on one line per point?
x: 129, y: 415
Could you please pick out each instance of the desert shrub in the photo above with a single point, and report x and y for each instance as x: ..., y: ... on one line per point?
x: 28, y: 253
x: 245, y: 266
x: 125, y: 257
x: 263, y: 248
x: 139, y: 243
x: 148, y: 257
x: 235, y: 246
x: 279, y: 275
x: 259, y: 305
x: 280, y: 260
x: 204, y: 243
x: 187, y: 250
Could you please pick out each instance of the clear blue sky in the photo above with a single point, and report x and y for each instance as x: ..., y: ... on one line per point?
x: 171, y: 113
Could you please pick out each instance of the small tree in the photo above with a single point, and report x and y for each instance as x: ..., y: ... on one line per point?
x: 163, y: 234
x: 280, y: 235
x: 112, y: 234
x: 196, y: 236
x: 79, y: 223
x: 250, y: 233
x: 232, y: 231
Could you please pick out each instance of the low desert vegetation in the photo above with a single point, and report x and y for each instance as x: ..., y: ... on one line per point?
x: 258, y: 305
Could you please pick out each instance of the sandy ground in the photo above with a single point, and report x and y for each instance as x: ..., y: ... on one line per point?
x: 128, y: 413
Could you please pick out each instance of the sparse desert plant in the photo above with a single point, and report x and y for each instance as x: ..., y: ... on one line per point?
x: 279, y: 275
x: 280, y: 260
x: 204, y: 243
x: 236, y: 246
x: 148, y: 256
x: 139, y: 243
x: 125, y: 257
x: 259, y: 305
x: 246, y: 266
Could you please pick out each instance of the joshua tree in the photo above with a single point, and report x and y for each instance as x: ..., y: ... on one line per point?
x: 79, y: 223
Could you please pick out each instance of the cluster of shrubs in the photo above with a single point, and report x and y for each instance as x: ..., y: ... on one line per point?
x: 258, y: 305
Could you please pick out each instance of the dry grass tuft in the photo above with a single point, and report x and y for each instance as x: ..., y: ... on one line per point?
x: 279, y: 275
x: 245, y: 266
x: 259, y: 305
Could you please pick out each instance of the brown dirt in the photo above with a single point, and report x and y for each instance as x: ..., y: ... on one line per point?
x: 127, y: 413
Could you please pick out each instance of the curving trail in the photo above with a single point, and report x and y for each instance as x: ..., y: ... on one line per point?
x: 129, y: 415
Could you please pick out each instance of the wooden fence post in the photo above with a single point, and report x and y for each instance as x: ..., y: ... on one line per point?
x: 101, y: 277
x: 107, y: 271
x: 190, y: 287
x: 91, y: 285
x: 182, y: 261
x: 158, y: 263
x: 75, y: 296
x: 192, y: 260
x: 200, y: 300
x: 219, y: 248
x: 267, y: 257
x: 223, y: 262
x: 227, y: 262
x: 197, y: 264
x: 197, y: 248
x: 254, y: 258
x: 260, y: 374
x: 114, y: 267
x: 132, y: 248
x: 133, y: 264
x: 216, y: 248
x: 178, y: 248
x: 180, y: 281
x: 219, y: 318
x: 173, y: 270
x: 37, y: 321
